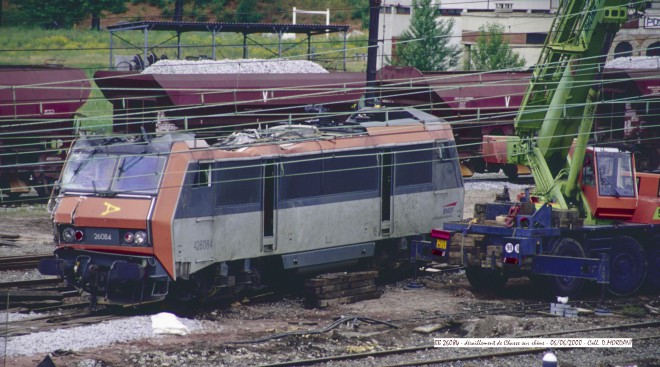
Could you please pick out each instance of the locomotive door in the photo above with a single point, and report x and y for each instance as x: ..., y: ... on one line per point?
x: 386, y: 192
x: 269, y: 214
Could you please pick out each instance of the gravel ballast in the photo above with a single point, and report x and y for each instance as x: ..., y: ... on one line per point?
x: 82, y: 337
x: 243, y: 66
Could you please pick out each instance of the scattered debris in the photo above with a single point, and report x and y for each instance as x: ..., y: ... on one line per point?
x: 167, y: 323
x: 651, y: 309
x: 428, y: 329
x: 562, y: 309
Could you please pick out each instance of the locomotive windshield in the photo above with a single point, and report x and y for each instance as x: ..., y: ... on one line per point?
x: 99, y: 170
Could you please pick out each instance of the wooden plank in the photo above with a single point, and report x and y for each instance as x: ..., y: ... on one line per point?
x: 349, y: 299
x: 347, y: 292
x: 338, y: 287
x: 337, y: 278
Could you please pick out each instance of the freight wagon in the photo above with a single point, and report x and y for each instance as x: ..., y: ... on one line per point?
x: 37, y: 108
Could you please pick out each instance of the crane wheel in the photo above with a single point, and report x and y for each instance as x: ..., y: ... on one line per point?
x: 653, y: 269
x: 567, y: 286
x: 627, y: 266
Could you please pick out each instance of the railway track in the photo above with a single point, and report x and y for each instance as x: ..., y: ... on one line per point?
x: 70, y: 319
x: 31, y: 283
x: 36, y: 295
x: 411, y: 352
x: 21, y: 262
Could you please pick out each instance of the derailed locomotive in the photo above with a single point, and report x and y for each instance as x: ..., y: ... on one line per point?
x: 135, y: 220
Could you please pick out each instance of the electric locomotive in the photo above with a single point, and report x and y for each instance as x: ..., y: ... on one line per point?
x: 138, y: 219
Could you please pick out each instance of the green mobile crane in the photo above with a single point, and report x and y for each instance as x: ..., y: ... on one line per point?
x: 591, y: 216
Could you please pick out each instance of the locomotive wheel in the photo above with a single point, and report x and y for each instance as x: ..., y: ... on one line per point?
x: 567, y: 286
x: 627, y: 266
x: 653, y: 269
x: 480, y: 278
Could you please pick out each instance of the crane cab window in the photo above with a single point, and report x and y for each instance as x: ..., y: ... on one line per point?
x: 615, y: 174
x: 588, y: 171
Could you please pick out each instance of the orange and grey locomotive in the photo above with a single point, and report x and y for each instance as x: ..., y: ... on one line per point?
x: 138, y: 219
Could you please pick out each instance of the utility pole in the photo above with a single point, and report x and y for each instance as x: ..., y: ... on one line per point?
x: 178, y: 10
x: 372, y: 52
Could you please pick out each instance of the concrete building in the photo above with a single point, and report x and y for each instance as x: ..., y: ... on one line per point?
x: 526, y: 24
x: 640, y: 37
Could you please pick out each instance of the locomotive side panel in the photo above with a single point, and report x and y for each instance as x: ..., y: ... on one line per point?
x: 228, y: 210
x: 329, y: 225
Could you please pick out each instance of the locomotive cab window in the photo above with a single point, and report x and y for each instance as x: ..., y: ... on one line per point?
x: 202, y: 176
x: 139, y: 173
x: 446, y: 171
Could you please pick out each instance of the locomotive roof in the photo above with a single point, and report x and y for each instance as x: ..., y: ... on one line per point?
x: 367, y: 121
x: 364, y: 123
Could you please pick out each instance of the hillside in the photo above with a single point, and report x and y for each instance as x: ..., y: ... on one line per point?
x: 354, y: 13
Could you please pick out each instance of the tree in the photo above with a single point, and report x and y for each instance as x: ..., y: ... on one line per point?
x: 98, y: 6
x: 66, y: 13
x: 361, y: 11
x: 492, y: 51
x: 54, y: 13
x: 425, y: 45
x: 178, y: 10
x: 247, y: 12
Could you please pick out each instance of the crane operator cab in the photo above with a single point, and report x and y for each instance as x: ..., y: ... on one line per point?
x: 608, y: 183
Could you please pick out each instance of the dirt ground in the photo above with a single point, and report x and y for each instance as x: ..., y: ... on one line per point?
x: 445, y: 299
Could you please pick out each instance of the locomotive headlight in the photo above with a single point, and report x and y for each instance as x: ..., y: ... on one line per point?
x: 129, y: 237
x: 140, y: 238
x: 68, y: 234
x: 508, y: 247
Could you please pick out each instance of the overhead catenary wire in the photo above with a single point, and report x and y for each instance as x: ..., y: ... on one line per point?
x: 456, y: 123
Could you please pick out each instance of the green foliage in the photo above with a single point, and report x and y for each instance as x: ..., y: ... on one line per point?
x: 156, y: 3
x: 247, y: 12
x: 425, y: 45
x: 64, y: 13
x: 361, y: 11
x: 54, y: 13
x: 492, y: 51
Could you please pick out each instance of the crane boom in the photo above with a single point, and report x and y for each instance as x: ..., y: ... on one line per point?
x: 560, y: 101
